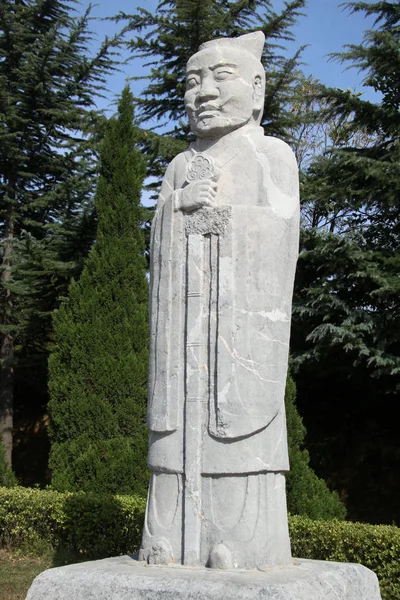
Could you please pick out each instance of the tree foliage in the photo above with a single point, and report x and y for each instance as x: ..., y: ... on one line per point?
x: 98, y: 368
x: 48, y: 83
x: 346, y: 326
x: 353, y: 296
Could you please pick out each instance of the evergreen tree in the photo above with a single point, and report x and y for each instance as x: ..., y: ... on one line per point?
x: 98, y: 369
x: 346, y: 329
x: 365, y: 180
x: 48, y: 82
x: 307, y: 494
x: 175, y: 31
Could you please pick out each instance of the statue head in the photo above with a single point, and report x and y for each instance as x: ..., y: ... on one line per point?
x: 225, y: 85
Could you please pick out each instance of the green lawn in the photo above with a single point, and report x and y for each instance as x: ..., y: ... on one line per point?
x: 17, y: 573
x: 18, y: 570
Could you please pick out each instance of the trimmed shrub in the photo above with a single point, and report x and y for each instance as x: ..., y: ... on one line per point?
x: 101, y: 526
x: 98, y: 526
x: 375, y: 546
x: 307, y: 494
x: 94, y: 526
x: 28, y: 515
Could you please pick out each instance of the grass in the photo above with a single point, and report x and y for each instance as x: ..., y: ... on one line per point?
x: 17, y: 573
x: 18, y: 569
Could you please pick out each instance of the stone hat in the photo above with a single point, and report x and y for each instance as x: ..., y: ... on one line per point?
x: 251, y: 42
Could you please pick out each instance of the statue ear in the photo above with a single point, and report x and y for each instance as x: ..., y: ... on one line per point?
x: 258, y: 92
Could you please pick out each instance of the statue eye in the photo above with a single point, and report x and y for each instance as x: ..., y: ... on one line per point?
x: 223, y: 74
x: 192, y: 81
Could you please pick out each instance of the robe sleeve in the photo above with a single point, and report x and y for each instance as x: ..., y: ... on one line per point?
x: 166, y: 309
x: 256, y: 266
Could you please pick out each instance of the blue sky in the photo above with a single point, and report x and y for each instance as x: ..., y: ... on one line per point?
x: 325, y: 28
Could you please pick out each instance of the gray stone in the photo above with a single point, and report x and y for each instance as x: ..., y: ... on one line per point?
x: 223, y: 254
x: 124, y: 578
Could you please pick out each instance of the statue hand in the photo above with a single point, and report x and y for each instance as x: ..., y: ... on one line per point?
x: 197, y: 194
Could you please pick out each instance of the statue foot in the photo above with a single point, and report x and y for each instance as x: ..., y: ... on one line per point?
x: 220, y: 557
x: 159, y: 553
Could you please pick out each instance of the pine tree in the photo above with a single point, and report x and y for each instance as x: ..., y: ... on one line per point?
x: 175, y: 31
x: 48, y: 83
x: 98, y: 369
x: 346, y: 327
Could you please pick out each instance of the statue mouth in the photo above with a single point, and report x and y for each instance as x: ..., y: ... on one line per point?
x: 208, y: 110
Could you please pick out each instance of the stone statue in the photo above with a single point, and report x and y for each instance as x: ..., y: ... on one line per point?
x: 223, y: 251
x: 223, y: 254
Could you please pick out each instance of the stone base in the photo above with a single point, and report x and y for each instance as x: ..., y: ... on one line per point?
x: 124, y: 577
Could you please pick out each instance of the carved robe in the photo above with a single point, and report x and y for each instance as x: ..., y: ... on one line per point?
x: 249, y: 247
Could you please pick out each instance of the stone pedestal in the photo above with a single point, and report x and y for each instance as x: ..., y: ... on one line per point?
x: 123, y: 578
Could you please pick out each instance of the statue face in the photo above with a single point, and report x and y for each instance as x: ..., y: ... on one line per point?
x: 222, y: 91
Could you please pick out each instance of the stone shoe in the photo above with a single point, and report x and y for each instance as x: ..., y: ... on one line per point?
x: 220, y: 557
x: 159, y: 553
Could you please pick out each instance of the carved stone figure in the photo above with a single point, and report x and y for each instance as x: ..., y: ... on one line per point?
x: 223, y: 254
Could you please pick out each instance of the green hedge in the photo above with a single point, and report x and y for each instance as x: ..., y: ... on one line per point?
x: 99, y: 526
x: 375, y: 546
x: 86, y: 524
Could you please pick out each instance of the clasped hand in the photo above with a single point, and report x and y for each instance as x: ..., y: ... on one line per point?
x: 197, y: 194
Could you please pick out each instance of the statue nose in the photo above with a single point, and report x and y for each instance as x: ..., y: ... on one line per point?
x: 208, y: 89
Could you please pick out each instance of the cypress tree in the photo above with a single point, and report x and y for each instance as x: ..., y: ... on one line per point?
x: 98, y: 369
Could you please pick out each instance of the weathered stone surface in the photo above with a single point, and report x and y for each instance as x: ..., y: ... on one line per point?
x: 223, y: 254
x: 122, y: 578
